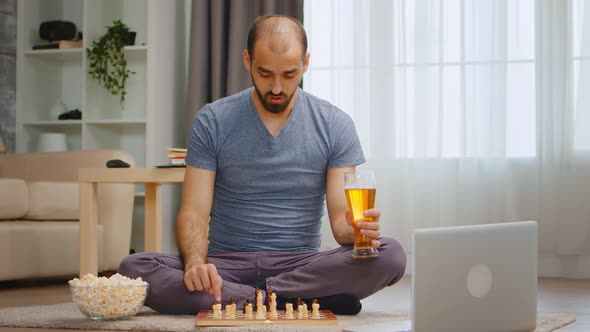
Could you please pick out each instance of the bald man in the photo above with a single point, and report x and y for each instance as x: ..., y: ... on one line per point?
x: 261, y: 165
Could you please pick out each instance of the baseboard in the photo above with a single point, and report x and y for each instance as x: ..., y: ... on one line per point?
x: 561, y: 266
x: 550, y: 266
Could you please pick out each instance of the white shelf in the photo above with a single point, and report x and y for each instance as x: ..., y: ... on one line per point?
x: 116, y: 122
x: 65, y: 54
x: 135, y: 48
x: 53, y: 123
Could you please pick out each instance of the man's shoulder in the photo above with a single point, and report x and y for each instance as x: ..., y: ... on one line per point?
x: 230, y: 102
x: 226, y: 108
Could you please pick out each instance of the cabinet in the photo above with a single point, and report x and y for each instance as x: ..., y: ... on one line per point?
x: 146, y: 125
x: 153, y: 117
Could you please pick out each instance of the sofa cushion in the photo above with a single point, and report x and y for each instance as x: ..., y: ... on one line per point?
x: 14, y: 198
x: 37, y: 249
x: 53, y: 201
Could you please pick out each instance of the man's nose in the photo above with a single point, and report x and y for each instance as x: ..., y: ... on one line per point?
x: 277, y: 86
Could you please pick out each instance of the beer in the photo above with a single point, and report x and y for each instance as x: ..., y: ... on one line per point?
x: 359, y: 200
x: 360, y: 190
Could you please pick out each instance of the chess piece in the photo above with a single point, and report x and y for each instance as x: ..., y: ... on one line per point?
x: 248, y: 311
x: 305, y: 312
x: 229, y: 313
x: 260, y: 307
x: 261, y: 312
x: 315, y: 309
x: 232, y: 303
x: 300, y: 311
x: 257, y: 293
x: 245, y: 305
x: 268, y: 298
x: 216, y: 307
x: 289, y: 311
x: 273, y: 306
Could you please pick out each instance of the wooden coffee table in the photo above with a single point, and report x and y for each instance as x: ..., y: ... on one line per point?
x: 150, y: 177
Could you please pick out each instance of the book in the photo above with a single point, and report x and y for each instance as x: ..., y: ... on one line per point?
x: 177, y: 161
x: 176, y: 153
x: 45, y: 45
x: 177, y: 150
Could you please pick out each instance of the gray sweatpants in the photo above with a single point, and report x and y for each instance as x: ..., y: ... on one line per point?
x: 289, y: 274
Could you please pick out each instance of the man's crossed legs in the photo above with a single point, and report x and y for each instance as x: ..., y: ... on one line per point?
x: 332, y: 276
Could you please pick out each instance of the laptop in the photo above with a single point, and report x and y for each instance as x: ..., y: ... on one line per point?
x: 475, y: 278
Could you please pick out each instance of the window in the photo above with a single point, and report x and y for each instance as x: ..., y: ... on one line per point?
x: 431, y: 79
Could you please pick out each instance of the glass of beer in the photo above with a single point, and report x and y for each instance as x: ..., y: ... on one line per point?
x: 360, y: 191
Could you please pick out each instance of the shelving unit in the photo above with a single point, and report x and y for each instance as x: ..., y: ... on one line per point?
x: 45, y: 76
x: 153, y: 115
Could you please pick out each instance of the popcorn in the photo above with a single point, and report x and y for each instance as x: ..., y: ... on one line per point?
x: 103, y: 298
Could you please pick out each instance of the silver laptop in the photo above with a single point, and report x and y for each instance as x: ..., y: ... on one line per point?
x: 475, y: 278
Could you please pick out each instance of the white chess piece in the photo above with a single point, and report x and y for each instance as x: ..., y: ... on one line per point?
x: 234, y: 309
x: 229, y: 313
x: 273, y: 311
x: 300, y: 311
x: 216, y: 311
x: 305, y: 313
x: 248, y: 314
x: 289, y: 311
x: 273, y: 306
x: 315, y: 310
x: 260, y: 308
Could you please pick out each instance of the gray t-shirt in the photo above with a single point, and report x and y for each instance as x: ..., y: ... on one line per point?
x: 270, y: 192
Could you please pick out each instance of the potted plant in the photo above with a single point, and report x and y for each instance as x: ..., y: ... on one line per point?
x: 108, y: 64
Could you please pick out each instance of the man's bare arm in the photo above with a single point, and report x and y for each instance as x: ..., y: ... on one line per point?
x: 340, y: 219
x: 192, y: 230
x: 337, y: 205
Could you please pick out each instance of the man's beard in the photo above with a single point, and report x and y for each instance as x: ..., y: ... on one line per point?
x: 271, y: 107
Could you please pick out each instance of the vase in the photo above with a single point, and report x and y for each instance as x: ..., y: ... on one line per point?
x: 129, y: 38
x: 57, y: 109
x: 52, y: 142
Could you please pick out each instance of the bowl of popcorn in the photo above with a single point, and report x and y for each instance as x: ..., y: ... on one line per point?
x: 113, y: 298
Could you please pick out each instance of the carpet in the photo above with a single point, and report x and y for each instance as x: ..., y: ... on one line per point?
x: 67, y: 316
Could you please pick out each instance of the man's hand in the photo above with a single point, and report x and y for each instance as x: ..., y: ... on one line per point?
x: 203, y: 277
x: 371, y: 228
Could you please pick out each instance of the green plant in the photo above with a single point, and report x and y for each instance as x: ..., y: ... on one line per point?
x: 108, y: 64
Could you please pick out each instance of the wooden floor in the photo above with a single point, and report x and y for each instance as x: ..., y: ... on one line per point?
x: 555, y: 295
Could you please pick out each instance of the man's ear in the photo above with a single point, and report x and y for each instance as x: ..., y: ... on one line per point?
x: 247, y: 60
x: 306, y: 62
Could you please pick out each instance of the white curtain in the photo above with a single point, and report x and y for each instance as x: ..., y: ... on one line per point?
x: 469, y: 111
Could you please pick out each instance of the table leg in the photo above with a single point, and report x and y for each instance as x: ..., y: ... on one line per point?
x: 88, y: 229
x: 153, y: 218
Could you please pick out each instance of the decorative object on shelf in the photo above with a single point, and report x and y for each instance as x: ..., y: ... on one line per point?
x: 71, y: 115
x: 57, y: 109
x: 58, y: 34
x: 51, y: 142
x: 59, y: 30
x: 108, y: 64
x: 46, y: 45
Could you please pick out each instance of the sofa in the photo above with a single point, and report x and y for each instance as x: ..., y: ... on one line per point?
x: 39, y: 195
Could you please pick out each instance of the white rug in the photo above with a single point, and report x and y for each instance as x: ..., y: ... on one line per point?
x: 67, y: 316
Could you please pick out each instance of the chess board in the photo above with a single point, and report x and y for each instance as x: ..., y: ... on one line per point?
x: 204, y: 318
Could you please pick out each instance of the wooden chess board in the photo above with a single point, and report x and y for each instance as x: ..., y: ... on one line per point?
x: 204, y: 318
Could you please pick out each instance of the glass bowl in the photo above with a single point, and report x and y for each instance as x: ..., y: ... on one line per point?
x: 109, y: 302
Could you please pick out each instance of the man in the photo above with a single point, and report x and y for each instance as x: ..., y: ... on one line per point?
x: 260, y: 166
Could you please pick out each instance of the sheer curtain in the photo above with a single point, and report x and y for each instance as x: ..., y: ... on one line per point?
x: 469, y: 111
